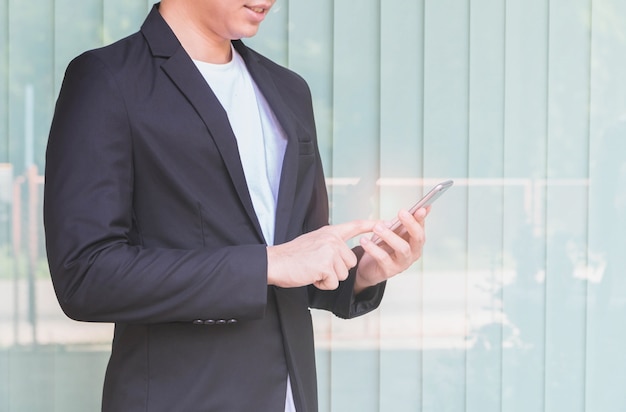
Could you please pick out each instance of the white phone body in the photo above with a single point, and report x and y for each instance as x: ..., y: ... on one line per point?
x: 427, y: 200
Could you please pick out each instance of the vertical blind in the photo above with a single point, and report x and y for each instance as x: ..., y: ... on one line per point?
x: 519, y: 301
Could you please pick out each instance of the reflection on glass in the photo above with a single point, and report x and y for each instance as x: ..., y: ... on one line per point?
x: 519, y: 301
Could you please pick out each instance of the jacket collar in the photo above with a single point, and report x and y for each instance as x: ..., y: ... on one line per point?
x: 160, y: 37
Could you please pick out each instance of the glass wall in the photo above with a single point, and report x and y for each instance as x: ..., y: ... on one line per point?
x: 519, y: 302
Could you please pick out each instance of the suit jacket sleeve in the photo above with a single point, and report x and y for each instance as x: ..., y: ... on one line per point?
x: 100, y: 269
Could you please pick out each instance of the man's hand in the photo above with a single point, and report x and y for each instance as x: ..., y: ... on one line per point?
x: 395, y: 253
x: 321, y: 257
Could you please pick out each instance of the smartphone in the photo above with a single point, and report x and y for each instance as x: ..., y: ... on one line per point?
x: 427, y: 200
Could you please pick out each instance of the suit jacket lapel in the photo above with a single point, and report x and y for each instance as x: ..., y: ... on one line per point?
x: 290, y: 125
x: 182, y: 71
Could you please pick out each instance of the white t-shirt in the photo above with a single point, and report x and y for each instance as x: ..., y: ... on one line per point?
x: 260, y: 139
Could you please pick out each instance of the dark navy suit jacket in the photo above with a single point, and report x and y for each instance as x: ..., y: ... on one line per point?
x: 149, y: 224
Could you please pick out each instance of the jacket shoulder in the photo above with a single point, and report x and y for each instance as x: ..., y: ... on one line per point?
x: 116, y: 53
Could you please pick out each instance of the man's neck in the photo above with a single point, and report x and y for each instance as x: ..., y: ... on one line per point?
x: 198, y: 44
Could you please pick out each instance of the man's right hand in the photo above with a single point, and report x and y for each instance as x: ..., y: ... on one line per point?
x: 321, y: 258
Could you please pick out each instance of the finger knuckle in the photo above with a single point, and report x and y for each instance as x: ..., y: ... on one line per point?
x: 404, y: 250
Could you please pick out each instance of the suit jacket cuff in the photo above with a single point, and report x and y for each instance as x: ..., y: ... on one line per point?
x: 348, y: 305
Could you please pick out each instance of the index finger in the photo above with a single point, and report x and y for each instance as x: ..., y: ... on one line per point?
x: 348, y: 230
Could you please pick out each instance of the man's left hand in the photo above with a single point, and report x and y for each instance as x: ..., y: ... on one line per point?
x: 394, y: 253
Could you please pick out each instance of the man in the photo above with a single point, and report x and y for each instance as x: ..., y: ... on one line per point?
x: 185, y: 201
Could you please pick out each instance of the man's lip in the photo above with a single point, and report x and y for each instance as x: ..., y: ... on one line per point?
x: 259, y: 8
